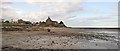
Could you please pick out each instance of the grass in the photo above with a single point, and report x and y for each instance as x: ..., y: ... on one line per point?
x: 15, y: 25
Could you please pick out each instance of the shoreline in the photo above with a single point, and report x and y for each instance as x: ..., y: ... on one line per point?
x: 62, y: 40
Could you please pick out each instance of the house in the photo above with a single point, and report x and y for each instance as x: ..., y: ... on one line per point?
x: 50, y: 23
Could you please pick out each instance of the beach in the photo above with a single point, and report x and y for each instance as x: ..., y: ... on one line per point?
x: 60, y: 38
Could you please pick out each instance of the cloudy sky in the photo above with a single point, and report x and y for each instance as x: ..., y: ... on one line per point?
x: 74, y: 13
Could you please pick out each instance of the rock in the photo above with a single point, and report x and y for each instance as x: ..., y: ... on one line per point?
x: 64, y: 45
x: 48, y: 30
x: 27, y: 41
x: 56, y: 43
x: 48, y: 45
x: 44, y: 41
x: 53, y: 42
x: 96, y: 44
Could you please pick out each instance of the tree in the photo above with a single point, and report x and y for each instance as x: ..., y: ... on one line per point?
x: 2, y: 20
x: 28, y: 22
x: 7, y: 21
x: 36, y: 23
x: 40, y: 22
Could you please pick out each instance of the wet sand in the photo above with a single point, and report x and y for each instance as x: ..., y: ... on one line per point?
x: 56, y: 39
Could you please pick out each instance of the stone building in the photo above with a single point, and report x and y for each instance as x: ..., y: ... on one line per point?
x: 51, y: 23
x: 47, y: 23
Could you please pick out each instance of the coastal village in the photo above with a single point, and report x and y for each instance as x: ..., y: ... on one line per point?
x: 21, y: 25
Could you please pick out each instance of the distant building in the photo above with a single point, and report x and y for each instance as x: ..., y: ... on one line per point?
x: 21, y: 21
x: 51, y: 23
x: 61, y: 24
x: 47, y: 23
x: 24, y: 22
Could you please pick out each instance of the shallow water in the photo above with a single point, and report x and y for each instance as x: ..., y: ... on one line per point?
x: 100, y: 31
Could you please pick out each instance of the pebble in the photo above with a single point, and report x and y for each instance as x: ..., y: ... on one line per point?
x: 64, y: 45
x: 48, y: 45
x: 96, y: 44
x: 44, y: 41
x: 53, y: 42
x: 37, y: 39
